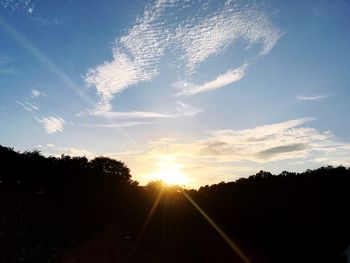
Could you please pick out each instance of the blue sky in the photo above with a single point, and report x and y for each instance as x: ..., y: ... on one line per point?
x: 205, y: 91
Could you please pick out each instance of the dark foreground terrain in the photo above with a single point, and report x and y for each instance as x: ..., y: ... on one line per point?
x: 71, y: 209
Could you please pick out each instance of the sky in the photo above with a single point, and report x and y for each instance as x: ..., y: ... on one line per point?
x: 200, y: 91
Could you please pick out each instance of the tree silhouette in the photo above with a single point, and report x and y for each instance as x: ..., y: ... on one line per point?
x: 302, y: 215
x: 104, y: 166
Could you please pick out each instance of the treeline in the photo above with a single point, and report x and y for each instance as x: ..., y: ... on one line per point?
x: 97, y: 187
x: 289, y: 217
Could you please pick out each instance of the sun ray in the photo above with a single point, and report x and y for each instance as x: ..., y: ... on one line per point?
x: 39, y: 55
x: 150, y: 215
x: 218, y: 229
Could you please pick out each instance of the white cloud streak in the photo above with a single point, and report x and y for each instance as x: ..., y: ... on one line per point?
x: 28, y: 103
x: 182, y: 109
x: 319, y: 97
x: 133, y: 115
x: 231, y: 76
x: 119, y: 125
x: 28, y: 106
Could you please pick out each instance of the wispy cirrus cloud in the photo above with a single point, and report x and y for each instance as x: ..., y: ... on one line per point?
x: 13, y: 5
x: 52, y: 124
x: 181, y: 109
x: 35, y: 93
x: 310, y: 98
x: 29, y: 103
x: 135, y: 58
x: 28, y: 106
x: 197, y: 31
x: 231, y: 76
x: 184, y: 109
x: 119, y: 125
x: 222, y: 28
x: 132, y: 115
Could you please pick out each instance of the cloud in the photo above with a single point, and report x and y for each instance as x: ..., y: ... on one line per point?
x: 184, y: 109
x: 117, y: 119
x: 273, y: 142
x: 37, y: 93
x: 222, y: 80
x: 132, y: 115
x: 169, y: 27
x: 28, y: 106
x: 135, y: 58
x: 53, y: 124
x: 28, y: 103
x: 119, y: 125
x: 277, y: 150
x: 285, y: 140
x: 57, y: 151
x: 14, y: 5
x: 72, y: 151
x: 227, y: 154
x: 222, y: 28
x: 113, y: 77
x: 320, y: 97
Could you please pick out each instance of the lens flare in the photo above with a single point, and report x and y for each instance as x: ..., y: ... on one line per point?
x: 218, y: 229
x: 149, y: 216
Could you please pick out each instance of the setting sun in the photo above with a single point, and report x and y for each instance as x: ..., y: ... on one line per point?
x: 169, y: 172
x: 170, y: 176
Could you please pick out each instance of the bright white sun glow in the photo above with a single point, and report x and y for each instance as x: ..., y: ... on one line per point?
x: 170, y: 176
x: 169, y: 172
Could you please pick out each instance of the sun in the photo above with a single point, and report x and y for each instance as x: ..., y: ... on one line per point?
x: 170, y: 173
x: 171, y: 177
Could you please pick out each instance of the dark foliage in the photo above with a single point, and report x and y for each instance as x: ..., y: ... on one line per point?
x: 49, y: 205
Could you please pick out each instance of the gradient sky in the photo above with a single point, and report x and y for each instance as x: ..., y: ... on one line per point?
x: 208, y: 90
